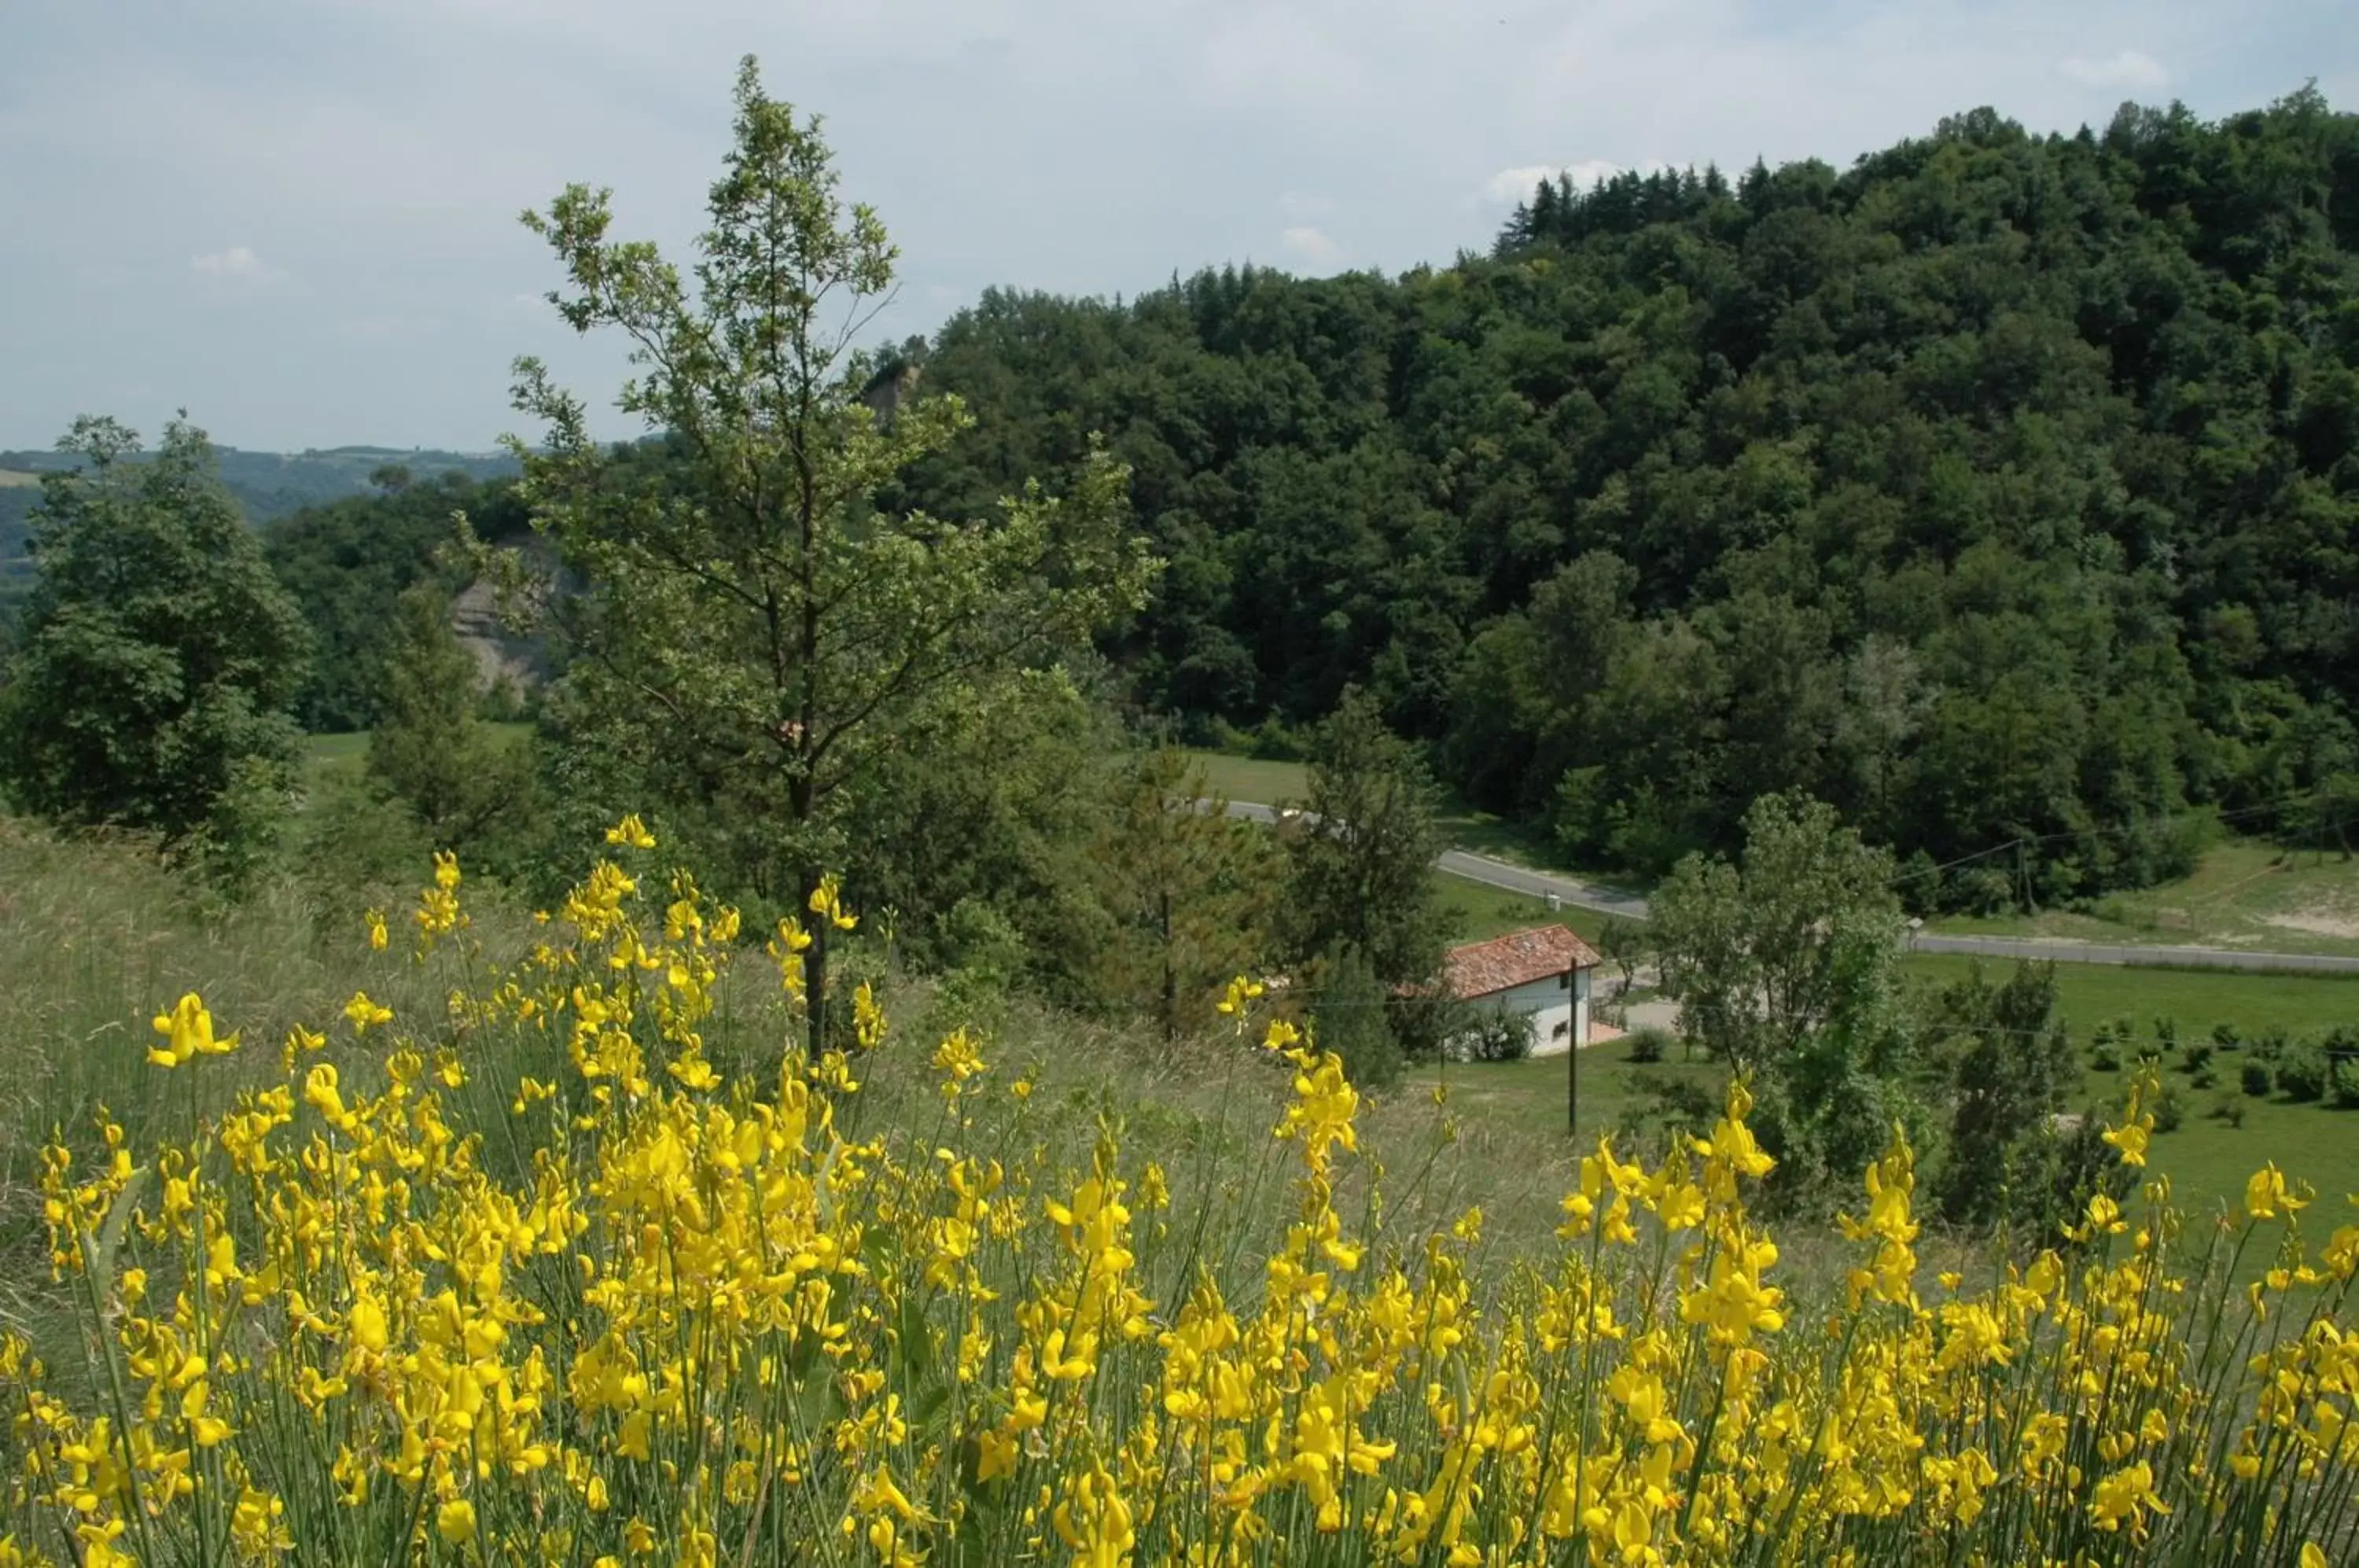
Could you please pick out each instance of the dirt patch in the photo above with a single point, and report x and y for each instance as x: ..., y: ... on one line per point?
x: 2317, y: 922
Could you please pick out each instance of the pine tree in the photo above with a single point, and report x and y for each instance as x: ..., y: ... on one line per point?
x: 1186, y: 889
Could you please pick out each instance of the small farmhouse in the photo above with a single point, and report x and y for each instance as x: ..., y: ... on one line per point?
x: 1542, y: 974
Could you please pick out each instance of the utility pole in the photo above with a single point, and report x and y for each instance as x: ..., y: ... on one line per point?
x: 1572, y: 1087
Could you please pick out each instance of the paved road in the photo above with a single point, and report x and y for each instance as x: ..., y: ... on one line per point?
x: 1629, y: 905
x: 2163, y: 956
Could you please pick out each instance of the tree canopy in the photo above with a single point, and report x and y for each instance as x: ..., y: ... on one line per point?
x: 158, y: 655
x: 1999, y: 490
x: 756, y: 633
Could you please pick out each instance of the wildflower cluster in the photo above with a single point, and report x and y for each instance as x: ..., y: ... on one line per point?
x: 557, y: 1287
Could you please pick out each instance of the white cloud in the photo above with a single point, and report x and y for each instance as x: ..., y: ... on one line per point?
x: 387, y: 145
x: 1310, y: 245
x: 2130, y: 67
x: 1518, y: 184
x: 237, y: 265
x: 235, y: 275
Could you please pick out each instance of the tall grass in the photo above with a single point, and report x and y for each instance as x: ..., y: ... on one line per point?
x: 580, y: 1258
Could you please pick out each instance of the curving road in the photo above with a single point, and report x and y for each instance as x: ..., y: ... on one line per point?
x: 1630, y: 905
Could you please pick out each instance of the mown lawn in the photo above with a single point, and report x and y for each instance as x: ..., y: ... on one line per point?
x: 2195, y: 999
x: 1476, y: 911
x: 325, y: 755
x: 1463, y: 826
x: 1251, y: 778
x: 1531, y: 1096
x: 2207, y: 1157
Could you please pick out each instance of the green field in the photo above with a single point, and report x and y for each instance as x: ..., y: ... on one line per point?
x: 2195, y: 999
x: 2244, y: 893
x: 1531, y: 1096
x: 1465, y: 827
x: 1251, y: 778
x: 1476, y: 911
x: 326, y: 755
x: 2206, y: 1157
x: 336, y: 751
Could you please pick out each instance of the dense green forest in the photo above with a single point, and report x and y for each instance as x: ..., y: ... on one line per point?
x: 2001, y: 490
x: 348, y: 560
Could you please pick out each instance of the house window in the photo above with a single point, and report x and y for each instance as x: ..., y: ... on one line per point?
x: 1564, y: 1028
x: 1564, y: 981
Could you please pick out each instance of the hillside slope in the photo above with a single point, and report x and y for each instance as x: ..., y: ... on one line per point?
x: 2000, y: 489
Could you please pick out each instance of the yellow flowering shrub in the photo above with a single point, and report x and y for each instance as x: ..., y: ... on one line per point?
x: 563, y: 1283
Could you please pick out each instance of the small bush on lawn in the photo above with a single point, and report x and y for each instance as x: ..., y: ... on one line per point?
x: 2343, y: 1081
x: 2303, y: 1074
x: 1650, y: 1044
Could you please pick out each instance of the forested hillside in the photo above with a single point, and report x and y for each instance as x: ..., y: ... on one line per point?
x: 2000, y: 489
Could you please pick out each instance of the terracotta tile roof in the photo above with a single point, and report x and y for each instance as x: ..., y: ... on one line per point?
x: 1518, y: 958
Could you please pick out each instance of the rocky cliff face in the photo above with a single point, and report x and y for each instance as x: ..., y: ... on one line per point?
x: 500, y: 654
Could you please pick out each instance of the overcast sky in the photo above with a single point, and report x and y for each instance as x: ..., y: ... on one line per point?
x: 298, y: 219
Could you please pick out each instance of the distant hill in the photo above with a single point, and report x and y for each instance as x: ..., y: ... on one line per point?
x: 268, y: 484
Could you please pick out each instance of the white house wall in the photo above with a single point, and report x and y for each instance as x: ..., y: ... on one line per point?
x: 1559, y: 1016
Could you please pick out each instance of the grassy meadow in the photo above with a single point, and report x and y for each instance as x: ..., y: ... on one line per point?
x: 1462, y: 825
x: 570, y: 1259
x: 2242, y: 893
x: 1187, y: 1221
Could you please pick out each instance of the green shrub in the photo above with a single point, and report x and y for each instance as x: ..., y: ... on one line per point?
x: 2202, y: 1078
x: 2227, y: 1037
x: 2343, y: 1081
x: 1650, y: 1043
x: 2303, y: 1074
x: 2170, y: 1109
x: 1496, y: 1036
x: 2105, y: 1059
x: 2256, y: 1079
x: 2197, y: 1056
x: 2227, y: 1108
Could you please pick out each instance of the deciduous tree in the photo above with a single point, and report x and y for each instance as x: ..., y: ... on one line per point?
x: 756, y: 627
x: 158, y: 655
